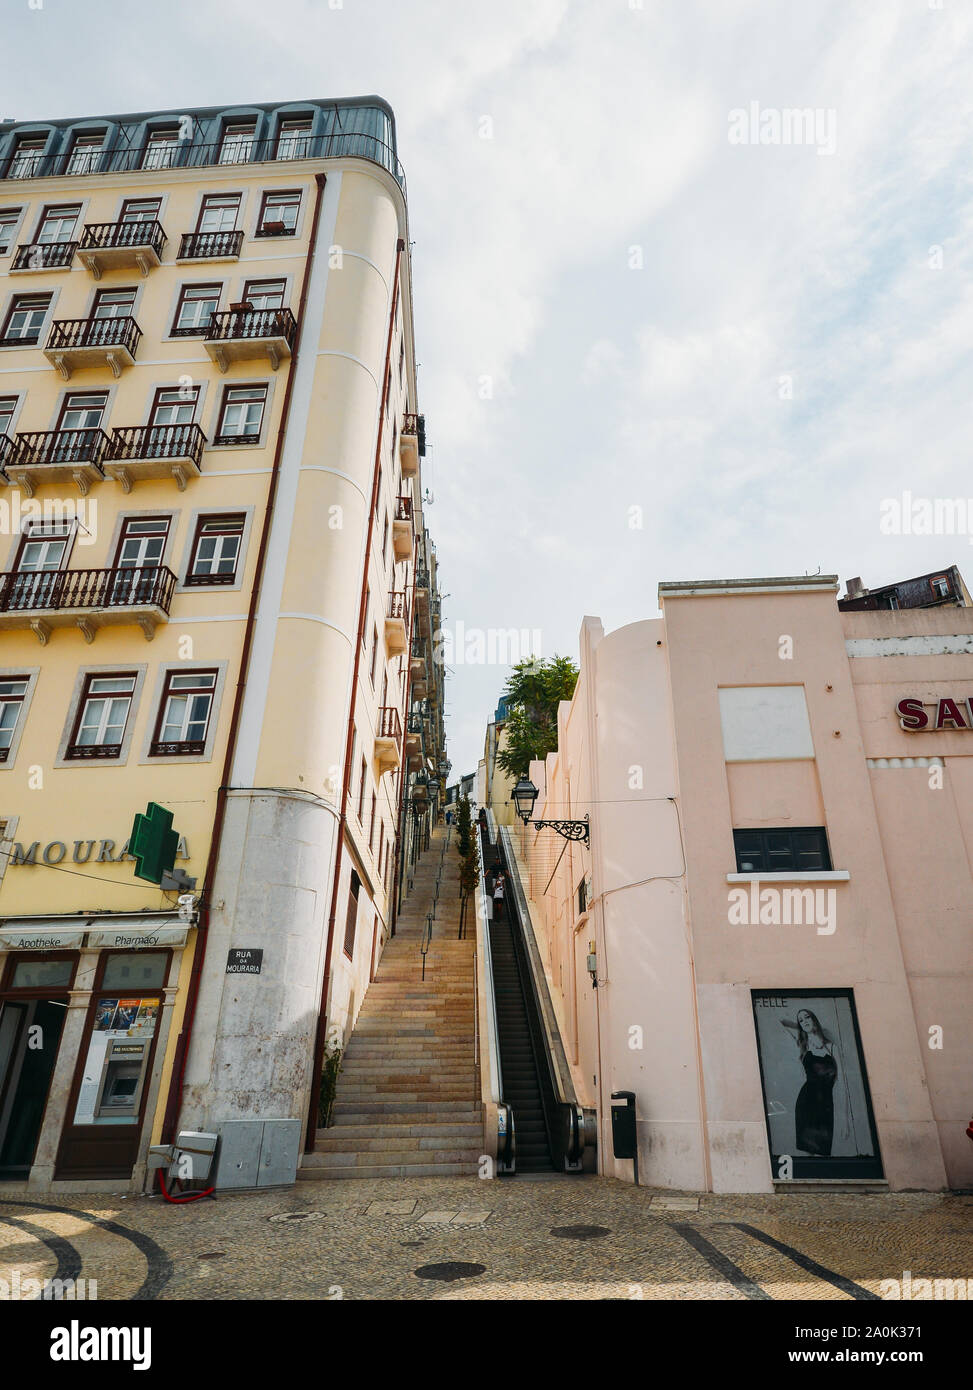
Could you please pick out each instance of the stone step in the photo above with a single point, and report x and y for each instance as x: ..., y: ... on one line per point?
x: 427, y: 1154
x: 402, y: 1170
x: 352, y: 1147
x: 469, y: 1132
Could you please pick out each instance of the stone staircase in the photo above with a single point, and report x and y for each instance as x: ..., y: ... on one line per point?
x: 408, y: 1097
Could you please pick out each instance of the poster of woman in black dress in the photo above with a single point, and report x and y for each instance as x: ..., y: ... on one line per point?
x: 819, y: 1118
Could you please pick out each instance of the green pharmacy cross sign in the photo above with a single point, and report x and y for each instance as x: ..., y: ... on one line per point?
x: 153, y: 843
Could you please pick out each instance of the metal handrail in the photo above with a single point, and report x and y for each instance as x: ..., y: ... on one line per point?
x: 121, y: 331
x: 139, y: 442
x: 115, y: 236
x: 126, y: 587
x: 231, y: 324
x: 186, y: 154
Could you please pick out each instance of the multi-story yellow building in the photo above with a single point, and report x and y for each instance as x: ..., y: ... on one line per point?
x: 218, y: 595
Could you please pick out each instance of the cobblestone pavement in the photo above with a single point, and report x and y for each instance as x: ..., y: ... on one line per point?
x: 462, y: 1238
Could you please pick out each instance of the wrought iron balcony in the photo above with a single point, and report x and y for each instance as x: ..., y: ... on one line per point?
x: 188, y: 154
x: 118, y: 245
x: 155, y: 451
x: 237, y: 335
x: 210, y: 246
x: 397, y: 624
x: 57, y: 456
x: 182, y: 748
x: 7, y: 450
x: 49, y: 255
x: 403, y: 537
x: 87, y: 599
x: 412, y: 443
x: 78, y: 343
x: 388, y: 739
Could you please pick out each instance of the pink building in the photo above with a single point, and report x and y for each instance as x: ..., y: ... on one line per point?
x: 776, y: 905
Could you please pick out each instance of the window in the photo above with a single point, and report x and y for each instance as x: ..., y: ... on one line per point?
x: 891, y: 601
x: 197, y: 305
x: 142, y: 542
x: 264, y: 294
x: 582, y: 897
x: 57, y: 224
x: 941, y: 586
x: 9, y: 221
x: 136, y: 210
x: 294, y: 138
x: 216, y: 550
x: 102, y: 716
x: 351, y: 919
x: 113, y: 304
x: 187, y: 703
x: 12, y: 696
x: 371, y: 823
x: 782, y: 851
x: 84, y: 153
x: 371, y: 667
x: 401, y: 357
x: 237, y: 142
x: 381, y: 846
x: 28, y: 157
x: 81, y: 411
x: 241, y: 415
x: 385, y: 538
x: 174, y: 407
x: 25, y: 319
x: 160, y: 149
x: 361, y: 792
x: 8, y: 404
x: 278, y: 214
x: 219, y: 213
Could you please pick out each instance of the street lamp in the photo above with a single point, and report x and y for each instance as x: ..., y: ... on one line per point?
x: 525, y: 794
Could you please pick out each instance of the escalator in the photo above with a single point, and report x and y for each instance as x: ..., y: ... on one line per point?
x: 523, y: 1080
x: 546, y: 1129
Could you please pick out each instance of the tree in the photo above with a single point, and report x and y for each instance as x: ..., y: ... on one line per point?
x: 533, y: 692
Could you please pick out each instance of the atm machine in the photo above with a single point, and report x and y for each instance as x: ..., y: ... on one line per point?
x: 122, y: 1078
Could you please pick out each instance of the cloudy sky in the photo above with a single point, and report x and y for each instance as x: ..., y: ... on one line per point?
x: 652, y: 347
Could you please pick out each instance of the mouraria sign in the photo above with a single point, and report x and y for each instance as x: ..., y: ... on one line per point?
x: 57, y: 850
x: 915, y: 714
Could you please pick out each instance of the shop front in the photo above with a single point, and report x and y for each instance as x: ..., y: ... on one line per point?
x: 86, y: 1014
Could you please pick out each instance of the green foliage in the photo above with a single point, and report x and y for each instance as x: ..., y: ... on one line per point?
x: 469, y: 859
x: 533, y: 692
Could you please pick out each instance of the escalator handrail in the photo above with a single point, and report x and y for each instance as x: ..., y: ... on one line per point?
x: 492, y: 1047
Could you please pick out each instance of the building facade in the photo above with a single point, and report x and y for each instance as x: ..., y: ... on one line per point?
x: 768, y: 940
x: 216, y: 572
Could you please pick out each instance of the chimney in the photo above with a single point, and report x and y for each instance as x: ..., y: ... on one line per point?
x: 854, y: 587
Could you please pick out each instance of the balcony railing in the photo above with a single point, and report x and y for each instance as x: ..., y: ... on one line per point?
x: 403, y: 509
x: 398, y: 604
x: 53, y: 590
x: 189, y: 747
x: 69, y: 334
x: 201, y: 246
x: 135, y: 443
x: 252, y: 323
x: 90, y: 751
x: 414, y: 724
x: 66, y: 448
x: 186, y: 154
x: 50, y: 255
x: 389, y: 723
x: 422, y: 579
x: 416, y: 424
x: 117, y: 236
x: 7, y: 450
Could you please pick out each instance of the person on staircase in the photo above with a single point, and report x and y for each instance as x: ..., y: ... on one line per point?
x: 498, y: 886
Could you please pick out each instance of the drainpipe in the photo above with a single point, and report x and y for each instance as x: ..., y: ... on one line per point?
x: 174, y: 1098
x: 319, y: 1039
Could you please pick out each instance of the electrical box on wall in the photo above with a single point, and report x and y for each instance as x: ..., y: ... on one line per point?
x: 258, y: 1153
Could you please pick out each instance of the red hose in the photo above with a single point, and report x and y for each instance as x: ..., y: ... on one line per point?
x: 189, y: 1197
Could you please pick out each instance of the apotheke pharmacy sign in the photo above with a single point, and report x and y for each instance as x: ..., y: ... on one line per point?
x: 931, y: 715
